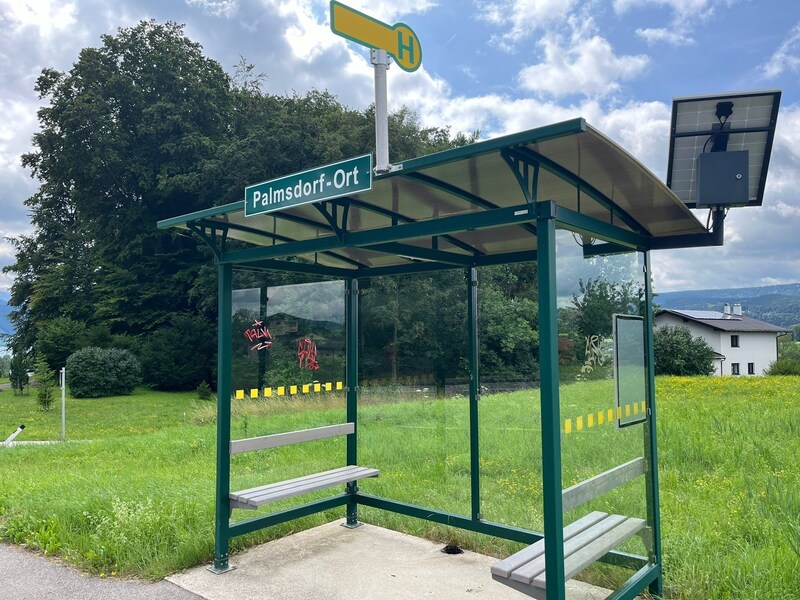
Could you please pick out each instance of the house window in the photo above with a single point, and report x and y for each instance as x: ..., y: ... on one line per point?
x: 734, y: 368
x: 751, y: 368
x: 734, y: 341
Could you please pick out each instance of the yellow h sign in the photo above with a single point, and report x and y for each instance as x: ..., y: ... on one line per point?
x: 399, y: 41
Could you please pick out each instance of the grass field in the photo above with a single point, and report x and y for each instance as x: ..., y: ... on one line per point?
x: 132, y: 493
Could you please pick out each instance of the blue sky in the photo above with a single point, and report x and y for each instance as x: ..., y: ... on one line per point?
x: 497, y: 66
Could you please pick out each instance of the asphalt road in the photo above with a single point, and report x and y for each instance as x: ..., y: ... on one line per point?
x: 25, y: 575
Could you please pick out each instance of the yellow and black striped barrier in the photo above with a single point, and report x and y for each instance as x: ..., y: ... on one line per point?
x: 602, y: 417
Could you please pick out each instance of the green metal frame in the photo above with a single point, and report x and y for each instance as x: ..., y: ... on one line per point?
x: 619, y: 233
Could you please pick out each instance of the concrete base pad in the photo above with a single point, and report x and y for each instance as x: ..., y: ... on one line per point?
x: 331, y: 562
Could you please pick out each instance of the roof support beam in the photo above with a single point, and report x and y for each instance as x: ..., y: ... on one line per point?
x: 484, y: 220
x: 399, y: 249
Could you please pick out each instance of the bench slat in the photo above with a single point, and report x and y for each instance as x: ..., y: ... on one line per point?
x: 535, y: 568
x: 254, y: 497
x: 585, y: 556
x: 291, y: 437
x: 583, y: 492
x: 506, y: 566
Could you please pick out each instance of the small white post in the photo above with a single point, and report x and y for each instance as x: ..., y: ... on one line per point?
x: 13, y: 435
x: 63, y: 379
x: 380, y: 60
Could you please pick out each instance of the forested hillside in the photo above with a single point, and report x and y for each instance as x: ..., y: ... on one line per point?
x: 776, y: 304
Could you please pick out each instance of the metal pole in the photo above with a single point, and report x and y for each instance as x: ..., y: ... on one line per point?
x: 351, y: 380
x: 551, y: 417
x: 650, y: 446
x: 380, y: 60
x: 63, y: 404
x: 474, y: 392
x: 223, y: 510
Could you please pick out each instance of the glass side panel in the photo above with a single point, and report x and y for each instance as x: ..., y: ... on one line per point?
x: 413, y: 417
x: 288, y: 367
x: 509, y: 407
x: 591, y: 291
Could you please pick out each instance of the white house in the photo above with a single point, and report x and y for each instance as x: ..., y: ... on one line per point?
x: 743, y: 346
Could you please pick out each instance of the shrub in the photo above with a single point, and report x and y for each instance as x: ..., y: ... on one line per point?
x: 180, y: 356
x: 97, y: 372
x: 203, y: 391
x: 678, y: 353
x: 784, y: 366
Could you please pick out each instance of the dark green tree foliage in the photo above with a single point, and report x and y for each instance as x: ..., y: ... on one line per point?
x: 45, y: 384
x: 122, y: 140
x: 678, y: 353
x: 18, y: 372
x: 181, y: 355
x: 59, y: 338
x: 5, y: 365
x: 599, y: 299
x: 99, y: 372
x: 144, y: 128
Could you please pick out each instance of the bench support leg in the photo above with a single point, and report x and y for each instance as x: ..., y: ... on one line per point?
x: 352, y: 508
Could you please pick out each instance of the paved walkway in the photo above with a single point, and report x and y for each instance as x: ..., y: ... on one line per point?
x: 25, y: 575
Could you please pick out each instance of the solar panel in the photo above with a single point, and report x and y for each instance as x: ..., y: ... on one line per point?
x: 698, y: 128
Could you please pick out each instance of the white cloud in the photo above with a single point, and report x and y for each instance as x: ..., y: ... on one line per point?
x: 522, y: 18
x: 686, y: 15
x: 47, y: 16
x: 580, y: 65
x: 786, y: 57
x: 217, y: 8
x: 667, y: 36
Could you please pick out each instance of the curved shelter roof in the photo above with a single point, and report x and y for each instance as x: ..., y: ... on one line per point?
x: 466, y: 206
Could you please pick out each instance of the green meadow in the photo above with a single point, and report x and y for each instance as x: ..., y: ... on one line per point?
x: 131, y: 493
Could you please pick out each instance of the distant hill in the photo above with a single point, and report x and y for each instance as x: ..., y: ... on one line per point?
x: 776, y: 304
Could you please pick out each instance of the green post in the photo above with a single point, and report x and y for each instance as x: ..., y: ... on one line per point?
x: 223, y: 511
x: 650, y: 447
x: 551, y: 418
x: 351, y: 380
x: 474, y: 392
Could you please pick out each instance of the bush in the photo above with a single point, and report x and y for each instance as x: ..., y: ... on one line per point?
x: 784, y: 366
x: 678, y: 353
x: 203, y: 391
x: 97, y: 372
x: 179, y: 357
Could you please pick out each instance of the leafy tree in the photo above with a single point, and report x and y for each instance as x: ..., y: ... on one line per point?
x: 45, y: 384
x: 59, y: 338
x: 181, y: 355
x: 98, y: 372
x: 18, y: 372
x: 678, y: 353
x: 788, y: 348
x: 5, y: 365
x: 599, y: 299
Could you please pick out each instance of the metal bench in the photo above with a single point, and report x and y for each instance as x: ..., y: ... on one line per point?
x: 585, y: 540
x: 252, y: 498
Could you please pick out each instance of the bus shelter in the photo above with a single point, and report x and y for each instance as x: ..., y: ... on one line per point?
x: 584, y: 214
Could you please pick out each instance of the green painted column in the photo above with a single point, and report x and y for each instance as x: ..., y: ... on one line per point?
x: 474, y: 392
x: 551, y: 417
x: 650, y: 446
x: 351, y: 380
x: 223, y: 511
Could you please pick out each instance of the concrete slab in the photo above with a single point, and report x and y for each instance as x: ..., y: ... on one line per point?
x: 331, y: 562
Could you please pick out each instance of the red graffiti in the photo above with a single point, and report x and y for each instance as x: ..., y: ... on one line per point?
x: 258, y: 332
x: 307, y: 353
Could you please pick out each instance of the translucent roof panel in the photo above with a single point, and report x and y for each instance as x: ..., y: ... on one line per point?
x: 574, y: 165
